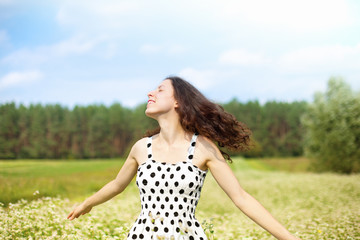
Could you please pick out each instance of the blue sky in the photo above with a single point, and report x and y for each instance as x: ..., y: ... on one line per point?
x: 101, y: 52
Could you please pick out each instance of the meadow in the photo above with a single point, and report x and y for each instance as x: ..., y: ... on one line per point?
x: 36, y: 197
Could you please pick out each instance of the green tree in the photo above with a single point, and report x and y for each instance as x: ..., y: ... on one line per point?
x: 332, y: 124
x: 9, y: 130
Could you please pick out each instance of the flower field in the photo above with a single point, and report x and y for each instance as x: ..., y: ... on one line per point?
x: 311, y: 206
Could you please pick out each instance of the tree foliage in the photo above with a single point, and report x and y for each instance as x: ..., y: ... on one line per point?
x: 97, y: 131
x: 275, y: 125
x: 332, y: 124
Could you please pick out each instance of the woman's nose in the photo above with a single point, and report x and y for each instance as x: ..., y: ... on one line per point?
x: 150, y: 94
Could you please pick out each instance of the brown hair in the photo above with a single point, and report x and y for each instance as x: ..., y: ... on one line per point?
x: 198, y: 114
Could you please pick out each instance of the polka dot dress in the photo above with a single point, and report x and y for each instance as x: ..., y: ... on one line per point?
x: 169, y: 195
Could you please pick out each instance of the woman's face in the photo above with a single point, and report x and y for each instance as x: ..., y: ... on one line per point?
x: 161, y: 100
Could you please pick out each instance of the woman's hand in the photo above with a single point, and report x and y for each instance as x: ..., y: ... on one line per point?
x: 79, y: 210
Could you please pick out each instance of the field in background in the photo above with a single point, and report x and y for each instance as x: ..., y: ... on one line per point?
x: 313, y: 206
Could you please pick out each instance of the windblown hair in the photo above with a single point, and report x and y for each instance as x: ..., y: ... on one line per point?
x: 198, y: 114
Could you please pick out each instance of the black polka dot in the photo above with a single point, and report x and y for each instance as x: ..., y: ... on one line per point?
x: 181, y: 191
x: 183, y: 176
x: 191, y: 156
x: 149, y: 156
x: 152, y: 175
x: 178, y: 168
x: 144, y: 182
x: 193, y: 144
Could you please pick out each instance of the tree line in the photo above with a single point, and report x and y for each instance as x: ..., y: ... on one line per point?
x: 96, y: 131
x: 327, y: 130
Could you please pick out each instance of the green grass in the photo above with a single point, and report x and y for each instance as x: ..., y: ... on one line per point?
x: 21, y: 178
x: 310, y: 205
x: 288, y: 164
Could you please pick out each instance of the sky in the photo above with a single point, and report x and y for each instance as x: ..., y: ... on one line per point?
x: 100, y: 52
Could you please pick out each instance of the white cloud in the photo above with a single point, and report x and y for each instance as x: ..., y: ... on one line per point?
x: 129, y: 92
x: 6, y: 2
x: 107, y: 14
x: 319, y: 58
x: 172, y: 50
x: 15, y: 79
x: 202, y: 79
x: 150, y: 49
x: 176, y: 49
x: 306, y: 15
x: 241, y: 57
x: 330, y: 58
x: 76, y: 45
x: 4, y: 37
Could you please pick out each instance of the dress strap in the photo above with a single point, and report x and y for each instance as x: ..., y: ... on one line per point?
x: 192, y: 147
x: 149, y: 147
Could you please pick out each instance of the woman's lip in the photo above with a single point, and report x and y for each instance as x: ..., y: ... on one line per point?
x: 151, y: 101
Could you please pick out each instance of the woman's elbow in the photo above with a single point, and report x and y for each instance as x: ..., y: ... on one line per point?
x: 240, y: 198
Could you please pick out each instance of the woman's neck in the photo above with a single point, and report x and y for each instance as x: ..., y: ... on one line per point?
x: 171, y: 131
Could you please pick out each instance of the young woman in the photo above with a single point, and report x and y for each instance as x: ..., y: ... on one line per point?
x: 172, y: 162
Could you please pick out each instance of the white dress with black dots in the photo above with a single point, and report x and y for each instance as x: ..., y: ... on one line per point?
x: 169, y: 195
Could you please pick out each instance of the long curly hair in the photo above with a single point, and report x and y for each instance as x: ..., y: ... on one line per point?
x: 200, y: 115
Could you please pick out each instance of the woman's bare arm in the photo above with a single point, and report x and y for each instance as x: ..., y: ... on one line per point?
x: 225, y: 177
x: 114, y: 187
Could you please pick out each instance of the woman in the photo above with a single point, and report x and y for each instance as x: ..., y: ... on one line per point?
x: 170, y: 173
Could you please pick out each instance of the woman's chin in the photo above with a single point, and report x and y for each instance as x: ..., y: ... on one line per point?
x: 149, y: 113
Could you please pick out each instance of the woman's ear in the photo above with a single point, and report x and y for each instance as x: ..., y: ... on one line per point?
x: 176, y: 105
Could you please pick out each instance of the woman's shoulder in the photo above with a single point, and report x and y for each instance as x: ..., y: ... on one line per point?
x: 207, y: 148
x: 139, y: 148
x: 140, y: 144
